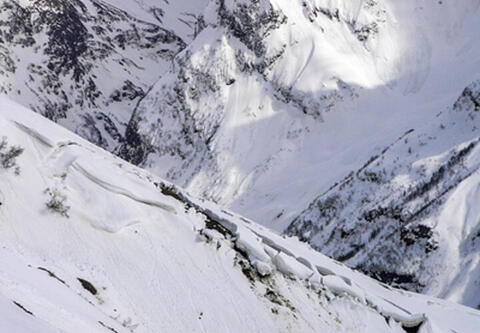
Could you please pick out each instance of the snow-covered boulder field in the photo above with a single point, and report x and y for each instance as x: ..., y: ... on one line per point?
x: 90, y: 243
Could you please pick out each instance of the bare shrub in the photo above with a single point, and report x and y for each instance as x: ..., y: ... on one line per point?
x: 8, y: 155
x: 57, y: 202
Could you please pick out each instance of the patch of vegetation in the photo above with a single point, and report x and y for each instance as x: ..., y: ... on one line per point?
x: 247, y: 269
x: 57, y: 201
x: 278, y: 299
x: 8, y: 155
x: 410, y: 235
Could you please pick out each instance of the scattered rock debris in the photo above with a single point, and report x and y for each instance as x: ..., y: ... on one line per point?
x: 23, y: 308
x: 51, y: 274
x: 108, y: 327
x: 88, y: 286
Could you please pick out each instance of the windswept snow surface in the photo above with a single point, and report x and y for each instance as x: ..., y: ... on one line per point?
x: 90, y: 243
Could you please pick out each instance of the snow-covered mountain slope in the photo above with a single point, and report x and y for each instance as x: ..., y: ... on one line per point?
x: 302, y: 91
x: 84, y: 64
x: 263, y: 105
x: 91, y: 243
x: 410, y: 216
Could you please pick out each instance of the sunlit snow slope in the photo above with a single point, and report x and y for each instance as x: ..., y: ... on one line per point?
x: 90, y: 243
x: 276, y: 100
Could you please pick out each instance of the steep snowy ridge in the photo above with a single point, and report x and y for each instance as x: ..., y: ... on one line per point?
x: 409, y: 217
x: 94, y: 244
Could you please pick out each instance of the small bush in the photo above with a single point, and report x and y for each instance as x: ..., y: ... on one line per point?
x: 57, y: 201
x: 8, y: 155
